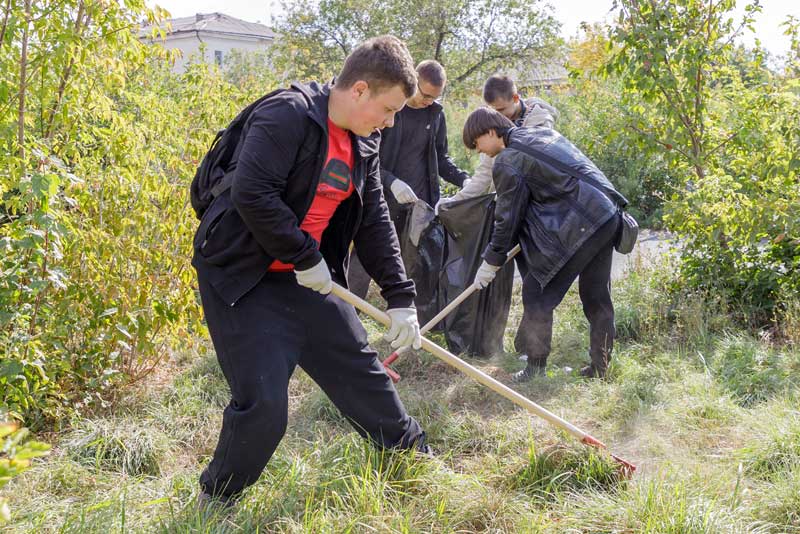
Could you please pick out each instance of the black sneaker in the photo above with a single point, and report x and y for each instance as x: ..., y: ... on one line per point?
x: 427, y: 451
x: 531, y: 370
x: 590, y: 371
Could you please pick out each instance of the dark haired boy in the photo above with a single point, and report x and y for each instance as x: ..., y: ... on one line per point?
x: 500, y: 93
x: 565, y: 214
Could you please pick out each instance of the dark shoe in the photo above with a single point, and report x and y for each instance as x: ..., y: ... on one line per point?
x: 590, y: 371
x: 210, y: 503
x: 534, y: 368
x: 426, y: 450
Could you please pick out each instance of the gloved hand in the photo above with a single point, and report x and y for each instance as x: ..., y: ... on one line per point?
x: 317, y: 278
x: 402, y: 192
x: 438, y: 204
x: 485, y: 275
x: 404, y: 330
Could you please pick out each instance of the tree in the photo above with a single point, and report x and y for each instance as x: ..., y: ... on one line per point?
x: 471, y: 38
x: 668, y: 55
x: 589, y: 54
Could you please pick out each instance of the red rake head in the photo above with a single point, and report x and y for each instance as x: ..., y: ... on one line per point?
x: 626, y: 468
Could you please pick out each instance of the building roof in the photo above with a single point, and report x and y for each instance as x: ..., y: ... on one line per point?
x: 540, y: 73
x: 212, y: 23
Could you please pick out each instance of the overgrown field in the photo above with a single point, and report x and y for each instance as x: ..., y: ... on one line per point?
x: 709, y: 414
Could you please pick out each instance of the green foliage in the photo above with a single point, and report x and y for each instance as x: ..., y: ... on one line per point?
x: 471, y: 38
x: 95, y: 227
x: 715, y: 111
x: 774, y: 448
x: 668, y: 55
x: 15, y: 457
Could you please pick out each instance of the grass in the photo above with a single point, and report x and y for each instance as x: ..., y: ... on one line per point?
x: 708, y: 413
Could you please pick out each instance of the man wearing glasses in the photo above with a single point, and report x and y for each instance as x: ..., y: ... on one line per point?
x: 413, y: 156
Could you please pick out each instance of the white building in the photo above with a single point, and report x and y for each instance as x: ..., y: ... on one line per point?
x: 219, y: 32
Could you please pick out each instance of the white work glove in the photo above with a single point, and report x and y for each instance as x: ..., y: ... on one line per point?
x: 438, y: 205
x: 485, y: 275
x: 404, y: 330
x: 317, y: 278
x: 402, y: 192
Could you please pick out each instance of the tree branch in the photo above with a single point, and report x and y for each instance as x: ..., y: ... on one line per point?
x: 6, y: 14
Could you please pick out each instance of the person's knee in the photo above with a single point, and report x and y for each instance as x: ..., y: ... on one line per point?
x: 264, y: 408
x: 598, y: 308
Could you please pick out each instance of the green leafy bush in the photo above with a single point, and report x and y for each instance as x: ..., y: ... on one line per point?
x: 15, y: 457
x: 95, y: 227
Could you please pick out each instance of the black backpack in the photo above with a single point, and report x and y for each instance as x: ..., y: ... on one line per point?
x: 212, y: 177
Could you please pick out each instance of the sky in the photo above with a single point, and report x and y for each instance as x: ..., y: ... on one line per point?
x: 571, y: 13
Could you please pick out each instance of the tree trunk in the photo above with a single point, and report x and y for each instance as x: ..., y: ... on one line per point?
x: 6, y: 14
x: 23, y: 73
x: 62, y: 85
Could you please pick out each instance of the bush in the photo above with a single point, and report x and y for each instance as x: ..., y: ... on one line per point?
x: 95, y: 227
x: 15, y: 457
x: 591, y: 117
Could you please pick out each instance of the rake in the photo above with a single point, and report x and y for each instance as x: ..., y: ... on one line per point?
x: 627, y: 468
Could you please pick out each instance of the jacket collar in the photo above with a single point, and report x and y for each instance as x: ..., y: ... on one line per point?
x: 318, y: 97
x: 508, y: 134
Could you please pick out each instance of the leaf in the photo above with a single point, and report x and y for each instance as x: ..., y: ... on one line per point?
x: 44, y: 185
x: 7, y: 428
x: 123, y: 331
x: 10, y: 369
x: 107, y: 312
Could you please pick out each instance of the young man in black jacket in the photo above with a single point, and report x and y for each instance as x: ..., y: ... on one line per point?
x: 414, y: 155
x: 306, y: 183
x: 565, y: 214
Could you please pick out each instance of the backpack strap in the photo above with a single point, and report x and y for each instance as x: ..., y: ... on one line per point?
x: 223, y: 185
x: 566, y: 169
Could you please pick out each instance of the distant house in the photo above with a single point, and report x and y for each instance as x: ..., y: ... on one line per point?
x: 540, y: 75
x: 219, y: 32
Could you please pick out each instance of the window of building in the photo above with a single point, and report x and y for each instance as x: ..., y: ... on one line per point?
x: 218, y: 57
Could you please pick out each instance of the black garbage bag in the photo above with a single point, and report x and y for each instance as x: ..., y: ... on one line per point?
x: 478, y: 324
x: 422, y: 244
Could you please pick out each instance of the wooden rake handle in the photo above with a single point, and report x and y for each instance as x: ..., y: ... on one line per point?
x: 483, y: 378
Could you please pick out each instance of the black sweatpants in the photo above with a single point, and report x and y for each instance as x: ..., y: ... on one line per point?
x: 259, y: 341
x: 592, y: 263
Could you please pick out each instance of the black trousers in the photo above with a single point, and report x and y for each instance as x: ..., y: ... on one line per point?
x: 592, y: 263
x: 259, y: 341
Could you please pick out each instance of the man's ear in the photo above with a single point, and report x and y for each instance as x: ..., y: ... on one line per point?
x: 359, y: 89
x: 516, y: 98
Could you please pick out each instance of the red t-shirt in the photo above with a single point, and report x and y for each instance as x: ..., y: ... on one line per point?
x: 335, y: 185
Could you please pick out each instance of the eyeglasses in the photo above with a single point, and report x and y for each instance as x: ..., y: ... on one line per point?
x: 426, y: 96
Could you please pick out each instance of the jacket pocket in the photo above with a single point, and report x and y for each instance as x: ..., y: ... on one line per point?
x: 210, y: 223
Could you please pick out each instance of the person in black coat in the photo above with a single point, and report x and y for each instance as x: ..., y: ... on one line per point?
x: 565, y: 214
x: 306, y: 183
x: 414, y: 157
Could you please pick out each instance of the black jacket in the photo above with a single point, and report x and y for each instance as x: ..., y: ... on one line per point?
x: 439, y: 163
x: 549, y: 211
x: 276, y: 173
